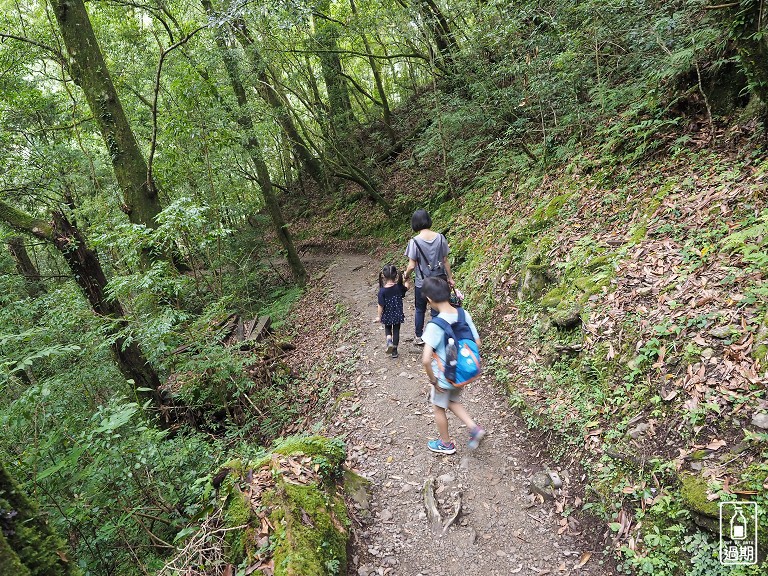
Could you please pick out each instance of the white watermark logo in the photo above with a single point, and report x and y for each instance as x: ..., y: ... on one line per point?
x: 738, y: 533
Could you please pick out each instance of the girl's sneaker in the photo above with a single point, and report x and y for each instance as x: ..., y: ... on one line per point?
x: 441, y: 448
x: 475, y: 436
x: 394, y: 352
x: 390, y: 346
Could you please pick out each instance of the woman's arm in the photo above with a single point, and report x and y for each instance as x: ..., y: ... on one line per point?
x: 447, y: 266
x: 408, y: 269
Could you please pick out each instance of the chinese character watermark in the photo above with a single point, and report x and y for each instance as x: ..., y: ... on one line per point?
x: 738, y: 533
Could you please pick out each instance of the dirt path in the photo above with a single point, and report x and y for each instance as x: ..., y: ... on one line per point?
x: 387, y: 421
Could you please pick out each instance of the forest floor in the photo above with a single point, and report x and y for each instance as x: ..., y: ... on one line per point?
x: 385, y: 418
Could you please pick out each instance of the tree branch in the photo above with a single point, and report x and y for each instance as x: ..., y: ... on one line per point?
x: 23, y: 222
x: 353, y: 53
x: 56, y: 54
x: 156, y: 92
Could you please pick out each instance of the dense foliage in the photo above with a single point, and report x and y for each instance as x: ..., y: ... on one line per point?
x: 154, y: 168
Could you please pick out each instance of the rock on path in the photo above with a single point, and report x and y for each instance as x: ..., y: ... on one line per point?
x: 387, y: 423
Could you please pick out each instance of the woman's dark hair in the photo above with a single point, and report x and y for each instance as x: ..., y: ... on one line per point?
x: 436, y: 289
x: 421, y: 220
x: 389, y: 272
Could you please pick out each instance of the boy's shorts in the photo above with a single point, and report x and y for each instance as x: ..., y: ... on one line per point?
x: 442, y: 398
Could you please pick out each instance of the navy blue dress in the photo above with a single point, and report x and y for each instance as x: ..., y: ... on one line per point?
x: 391, y: 300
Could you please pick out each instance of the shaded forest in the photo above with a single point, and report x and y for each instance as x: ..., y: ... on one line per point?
x: 174, y: 176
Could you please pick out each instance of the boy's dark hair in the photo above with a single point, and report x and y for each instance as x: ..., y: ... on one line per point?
x: 389, y: 272
x: 421, y: 220
x: 436, y: 289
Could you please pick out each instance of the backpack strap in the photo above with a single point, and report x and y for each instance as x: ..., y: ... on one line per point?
x: 418, y: 260
x: 465, y: 330
x: 445, y: 326
x: 429, y: 264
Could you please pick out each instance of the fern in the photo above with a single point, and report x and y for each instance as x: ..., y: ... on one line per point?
x: 750, y: 242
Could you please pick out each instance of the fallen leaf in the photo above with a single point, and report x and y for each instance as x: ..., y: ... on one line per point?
x: 716, y: 444
x: 584, y: 559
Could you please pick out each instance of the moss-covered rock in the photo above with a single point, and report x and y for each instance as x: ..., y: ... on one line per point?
x: 567, y: 319
x: 705, y: 513
x: 312, y: 528
x: 238, y: 513
x: 295, y: 486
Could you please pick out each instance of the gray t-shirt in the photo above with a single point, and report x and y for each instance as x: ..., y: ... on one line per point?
x: 435, y: 250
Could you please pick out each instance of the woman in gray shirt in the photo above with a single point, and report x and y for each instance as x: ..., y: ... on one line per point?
x: 427, y: 254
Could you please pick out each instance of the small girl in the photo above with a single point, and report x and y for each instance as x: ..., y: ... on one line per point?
x: 391, y: 292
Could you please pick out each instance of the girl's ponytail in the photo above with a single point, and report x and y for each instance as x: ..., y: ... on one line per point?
x: 389, y: 272
x: 400, y: 279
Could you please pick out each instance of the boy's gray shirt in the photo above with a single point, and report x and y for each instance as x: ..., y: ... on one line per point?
x: 435, y: 250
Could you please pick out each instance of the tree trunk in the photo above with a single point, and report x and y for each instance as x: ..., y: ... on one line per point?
x: 376, y: 71
x: 253, y: 146
x: 89, y: 275
x: 32, y: 281
x: 745, y: 21
x: 28, y: 546
x: 272, y: 98
x: 339, y: 104
x: 439, y: 29
x: 88, y: 70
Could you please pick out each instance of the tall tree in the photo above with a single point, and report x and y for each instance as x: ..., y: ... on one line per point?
x: 25, y: 266
x: 278, y: 105
x: 377, y: 78
x: 87, y: 67
x: 28, y: 545
x: 326, y: 37
x: 254, y: 149
x: 89, y: 275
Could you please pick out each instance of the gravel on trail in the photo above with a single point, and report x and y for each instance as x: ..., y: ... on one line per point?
x: 386, y: 420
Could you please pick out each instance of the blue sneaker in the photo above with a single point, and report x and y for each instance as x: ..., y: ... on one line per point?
x: 475, y: 436
x: 441, y: 448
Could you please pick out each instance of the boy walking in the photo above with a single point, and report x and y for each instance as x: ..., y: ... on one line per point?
x: 444, y: 397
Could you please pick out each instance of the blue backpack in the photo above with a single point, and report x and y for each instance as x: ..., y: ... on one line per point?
x: 468, y: 363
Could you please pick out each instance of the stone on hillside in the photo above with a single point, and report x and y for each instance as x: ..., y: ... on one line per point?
x: 554, y: 478
x: 541, y: 483
x: 567, y: 319
x: 705, y: 513
x: 760, y: 419
x: 636, y: 432
x: 534, y: 281
x: 723, y: 332
x: 549, y: 301
x: 707, y: 353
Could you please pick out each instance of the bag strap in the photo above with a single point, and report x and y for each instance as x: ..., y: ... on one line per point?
x: 418, y: 260
x: 463, y: 320
x: 418, y: 247
x: 447, y: 328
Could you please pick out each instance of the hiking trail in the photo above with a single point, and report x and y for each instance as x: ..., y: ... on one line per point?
x: 386, y: 420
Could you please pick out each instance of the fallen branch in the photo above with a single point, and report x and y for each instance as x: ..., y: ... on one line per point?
x: 433, y: 514
x: 456, y: 512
